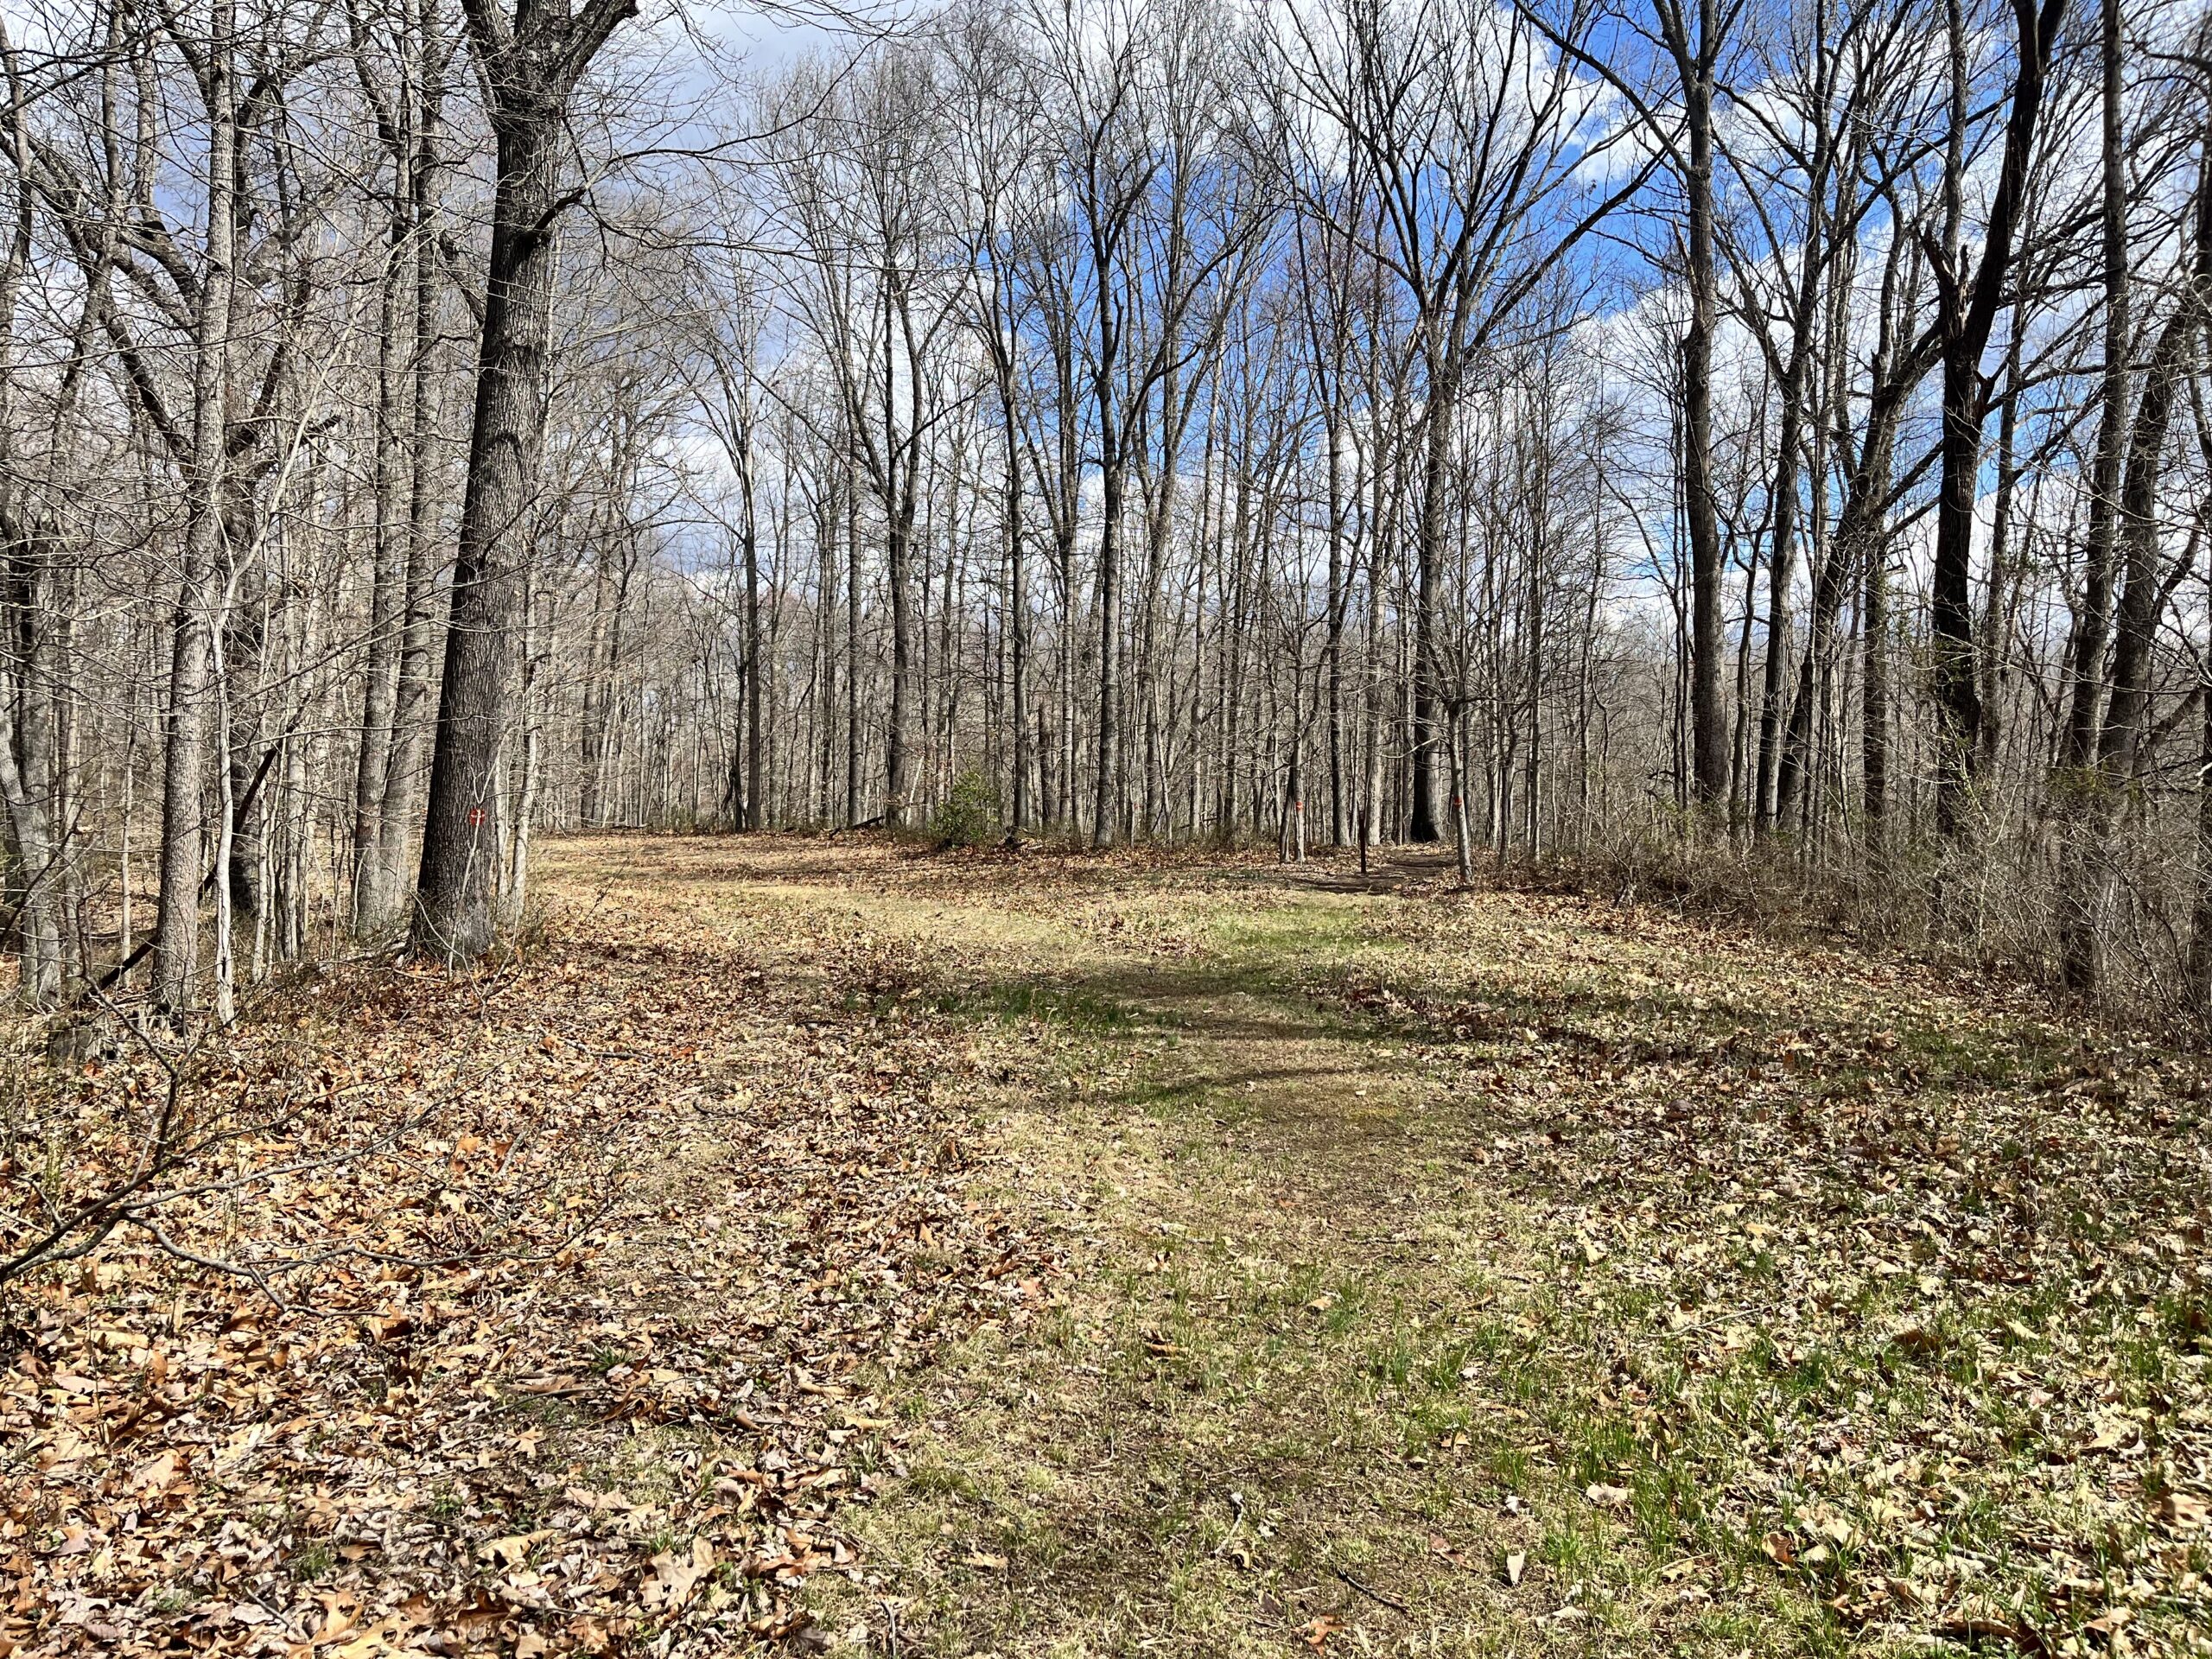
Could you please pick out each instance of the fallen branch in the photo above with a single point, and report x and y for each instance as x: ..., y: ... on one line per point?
x: 1365, y: 1589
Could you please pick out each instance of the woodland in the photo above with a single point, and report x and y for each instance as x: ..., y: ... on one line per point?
x: 1198, y: 826
x: 1755, y: 447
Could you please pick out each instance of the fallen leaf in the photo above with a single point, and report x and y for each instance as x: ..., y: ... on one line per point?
x: 676, y: 1576
x: 2184, y: 1511
x: 154, y: 1477
x: 512, y: 1551
x: 1318, y: 1631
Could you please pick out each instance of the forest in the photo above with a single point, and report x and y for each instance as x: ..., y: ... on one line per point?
x: 1091, y: 826
x: 1752, y: 446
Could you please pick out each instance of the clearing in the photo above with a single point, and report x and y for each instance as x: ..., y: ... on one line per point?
x: 1071, y: 1254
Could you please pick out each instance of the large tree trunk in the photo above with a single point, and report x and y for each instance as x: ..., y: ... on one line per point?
x: 27, y: 730
x: 1874, y: 709
x: 1104, y: 811
x: 1968, y: 313
x: 2086, y: 653
x: 1958, y: 698
x: 1709, y: 726
x: 1333, y: 647
x: 34, y: 623
x: 243, y: 695
x: 461, y: 839
x: 1017, y: 609
x: 387, y: 581
x: 901, y: 464
x: 1781, y: 575
x: 852, y: 645
x: 2001, y: 586
x: 2092, y: 868
x: 1381, y: 534
x: 898, y: 784
x: 2200, y: 929
x: 532, y: 68
x: 1428, y: 671
x: 755, y: 807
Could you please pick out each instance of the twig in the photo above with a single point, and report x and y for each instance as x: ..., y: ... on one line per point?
x: 241, y: 1270
x: 1388, y: 1600
x: 135, y: 1201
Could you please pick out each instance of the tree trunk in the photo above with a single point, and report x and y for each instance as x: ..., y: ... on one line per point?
x: 1339, y: 801
x: 852, y: 647
x: 1708, y: 732
x: 756, y: 810
x: 1782, y: 574
x: 2200, y: 930
x: 1103, y: 811
x: 1443, y: 396
x: 418, y: 690
x: 1018, y: 819
x: 388, y: 574
x: 531, y: 69
x: 1874, y: 717
x: 2085, y: 905
x: 1967, y: 313
x: 2085, y: 654
x: 200, y: 598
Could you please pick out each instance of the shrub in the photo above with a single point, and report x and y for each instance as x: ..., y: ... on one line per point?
x: 970, y: 816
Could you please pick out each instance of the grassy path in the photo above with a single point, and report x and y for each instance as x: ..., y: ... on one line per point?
x: 1460, y: 1274
x: 1251, y: 1425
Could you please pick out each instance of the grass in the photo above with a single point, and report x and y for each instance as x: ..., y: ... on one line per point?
x: 1248, y: 1409
x: 1752, y: 1299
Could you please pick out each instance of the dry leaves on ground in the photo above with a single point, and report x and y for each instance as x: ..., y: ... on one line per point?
x: 572, y: 1358
x: 1899, y: 1285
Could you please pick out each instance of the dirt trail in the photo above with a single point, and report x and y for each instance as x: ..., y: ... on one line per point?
x: 1205, y: 1451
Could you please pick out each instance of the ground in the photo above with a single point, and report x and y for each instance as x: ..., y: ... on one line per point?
x: 828, y: 1242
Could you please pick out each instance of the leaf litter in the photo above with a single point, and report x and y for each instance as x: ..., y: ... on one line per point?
x: 1885, y: 1288
x: 580, y: 1358
x: 1889, y: 1282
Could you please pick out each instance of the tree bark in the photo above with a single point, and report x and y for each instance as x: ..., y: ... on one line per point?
x: 190, y: 722
x: 388, y: 565
x: 531, y: 70
x: 1967, y: 313
x: 1104, y: 812
x: 2093, y: 866
x: 417, y: 690
x: 1696, y: 62
x: 1428, y: 670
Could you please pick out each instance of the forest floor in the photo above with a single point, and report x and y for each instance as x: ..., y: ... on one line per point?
x: 829, y: 1242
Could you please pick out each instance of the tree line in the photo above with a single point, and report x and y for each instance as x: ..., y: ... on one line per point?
x: 1766, y: 436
